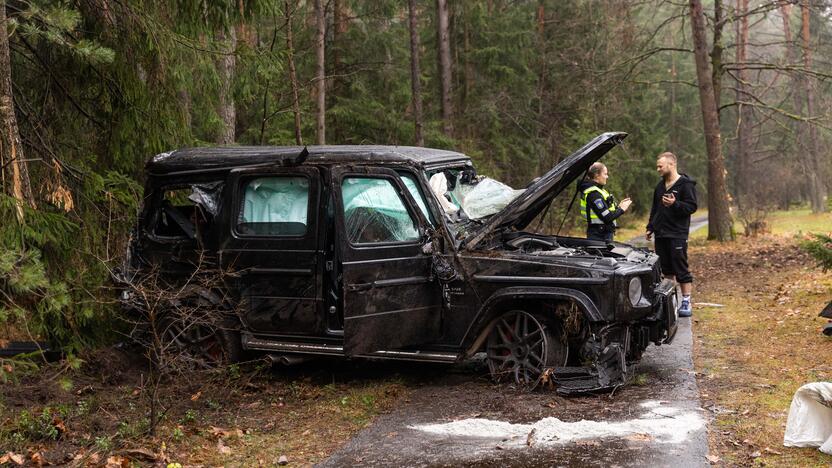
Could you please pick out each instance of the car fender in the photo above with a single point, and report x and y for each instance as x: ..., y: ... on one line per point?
x: 484, y: 320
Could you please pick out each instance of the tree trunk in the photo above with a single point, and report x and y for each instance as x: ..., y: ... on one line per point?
x: 320, y: 75
x: 673, y: 131
x: 743, y: 114
x: 445, y: 78
x: 716, y: 54
x: 415, y: 73
x: 817, y: 186
x: 293, y: 78
x: 719, y: 216
x: 15, y: 172
x: 225, y: 67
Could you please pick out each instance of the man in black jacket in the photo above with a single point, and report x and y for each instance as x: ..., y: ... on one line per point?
x: 674, y: 200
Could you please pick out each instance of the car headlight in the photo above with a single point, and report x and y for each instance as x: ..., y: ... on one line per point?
x: 635, y: 291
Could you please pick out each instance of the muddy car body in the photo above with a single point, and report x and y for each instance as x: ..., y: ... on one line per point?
x: 349, y: 251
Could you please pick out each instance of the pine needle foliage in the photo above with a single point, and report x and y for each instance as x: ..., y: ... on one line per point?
x: 820, y: 248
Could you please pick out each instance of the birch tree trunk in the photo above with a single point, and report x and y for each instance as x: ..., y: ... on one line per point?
x: 320, y: 75
x: 719, y: 215
x: 226, y: 65
x: 445, y: 78
x: 293, y: 78
x: 15, y: 172
x: 817, y: 186
x: 415, y: 72
x: 743, y: 114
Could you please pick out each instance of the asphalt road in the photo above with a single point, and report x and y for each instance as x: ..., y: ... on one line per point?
x: 460, y: 418
x: 696, y: 223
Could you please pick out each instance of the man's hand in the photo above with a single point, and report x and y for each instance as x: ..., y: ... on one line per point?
x: 625, y: 204
x: 649, y: 235
x: 668, y: 199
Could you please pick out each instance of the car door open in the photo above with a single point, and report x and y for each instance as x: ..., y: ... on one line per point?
x: 391, y: 298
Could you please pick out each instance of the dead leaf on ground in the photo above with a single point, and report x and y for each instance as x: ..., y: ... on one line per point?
x: 15, y: 458
x: 639, y: 437
x: 772, y: 451
x: 756, y: 454
x: 221, y: 432
x: 59, y: 425
x: 713, y: 459
x: 224, y: 449
x: 196, y: 396
x: 139, y: 453
x: 37, y: 459
x: 117, y: 461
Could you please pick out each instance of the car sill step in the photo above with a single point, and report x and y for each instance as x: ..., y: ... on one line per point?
x: 324, y: 349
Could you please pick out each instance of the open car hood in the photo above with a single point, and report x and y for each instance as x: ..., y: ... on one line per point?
x: 523, y: 209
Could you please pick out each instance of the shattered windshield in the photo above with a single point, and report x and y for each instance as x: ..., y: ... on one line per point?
x: 464, y: 195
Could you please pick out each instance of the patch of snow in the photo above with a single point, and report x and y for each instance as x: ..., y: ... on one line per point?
x: 661, y: 423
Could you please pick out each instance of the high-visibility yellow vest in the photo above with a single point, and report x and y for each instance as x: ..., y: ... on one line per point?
x: 592, y: 217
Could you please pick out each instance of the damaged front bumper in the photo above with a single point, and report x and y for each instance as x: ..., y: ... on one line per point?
x: 612, y: 348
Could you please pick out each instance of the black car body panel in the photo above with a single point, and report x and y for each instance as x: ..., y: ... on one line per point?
x: 346, y: 251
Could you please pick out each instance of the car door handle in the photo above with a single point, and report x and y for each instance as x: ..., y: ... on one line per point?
x: 359, y: 287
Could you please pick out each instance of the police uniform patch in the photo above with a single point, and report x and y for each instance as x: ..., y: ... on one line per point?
x: 600, y: 204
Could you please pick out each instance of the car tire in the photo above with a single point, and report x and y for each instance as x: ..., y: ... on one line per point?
x: 522, y: 346
x: 201, y: 338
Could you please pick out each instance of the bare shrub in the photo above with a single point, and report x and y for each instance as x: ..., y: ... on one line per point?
x: 183, y: 327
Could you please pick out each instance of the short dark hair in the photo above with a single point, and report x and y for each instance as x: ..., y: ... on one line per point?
x: 669, y: 156
x: 595, y: 169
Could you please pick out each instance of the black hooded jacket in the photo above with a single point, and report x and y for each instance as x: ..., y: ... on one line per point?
x: 673, y: 221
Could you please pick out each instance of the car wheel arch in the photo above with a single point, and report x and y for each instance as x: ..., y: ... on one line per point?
x: 511, y: 298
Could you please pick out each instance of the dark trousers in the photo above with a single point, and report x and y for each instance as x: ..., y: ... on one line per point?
x: 673, y: 255
x: 600, y: 232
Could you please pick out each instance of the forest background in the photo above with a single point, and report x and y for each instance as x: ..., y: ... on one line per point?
x: 90, y: 89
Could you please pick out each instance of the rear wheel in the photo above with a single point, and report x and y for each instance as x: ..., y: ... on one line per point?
x: 191, y: 334
x: 521, y: 347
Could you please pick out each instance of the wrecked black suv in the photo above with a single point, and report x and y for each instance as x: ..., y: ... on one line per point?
x: 396, y: 253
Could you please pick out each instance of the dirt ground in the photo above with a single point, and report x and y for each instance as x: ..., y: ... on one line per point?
x: 753, y: 353
x: 750, y: 356
x: 246, y: 415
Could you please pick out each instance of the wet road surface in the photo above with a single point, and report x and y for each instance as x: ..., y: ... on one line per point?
x: 460, y: 418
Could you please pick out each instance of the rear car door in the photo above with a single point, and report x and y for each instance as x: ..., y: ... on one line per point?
x: 273, y: 249
x: 391, y: 298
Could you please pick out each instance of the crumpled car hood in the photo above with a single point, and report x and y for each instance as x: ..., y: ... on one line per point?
x: 523, y: 209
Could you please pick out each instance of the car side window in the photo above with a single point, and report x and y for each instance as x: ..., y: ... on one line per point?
x: 412, y: 186
x: 274, y: 206
x: 374, y: 212
x: 176, y: 214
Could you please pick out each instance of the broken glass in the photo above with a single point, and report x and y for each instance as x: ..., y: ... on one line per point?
x: 208, y: 196
x: 374, y: 212
x: 484, y: 197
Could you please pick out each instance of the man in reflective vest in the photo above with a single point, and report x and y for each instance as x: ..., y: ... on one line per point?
x: 598, y: 206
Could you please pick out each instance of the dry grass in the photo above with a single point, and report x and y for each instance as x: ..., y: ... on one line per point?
x: 786, y: 223
x: 753, y: 354
x: 239, y: 416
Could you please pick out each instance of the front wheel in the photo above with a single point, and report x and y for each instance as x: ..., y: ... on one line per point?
x: 521, y: 347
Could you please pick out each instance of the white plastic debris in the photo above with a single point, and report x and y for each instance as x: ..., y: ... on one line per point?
x: 439, y: 185
x: 810, y: 418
